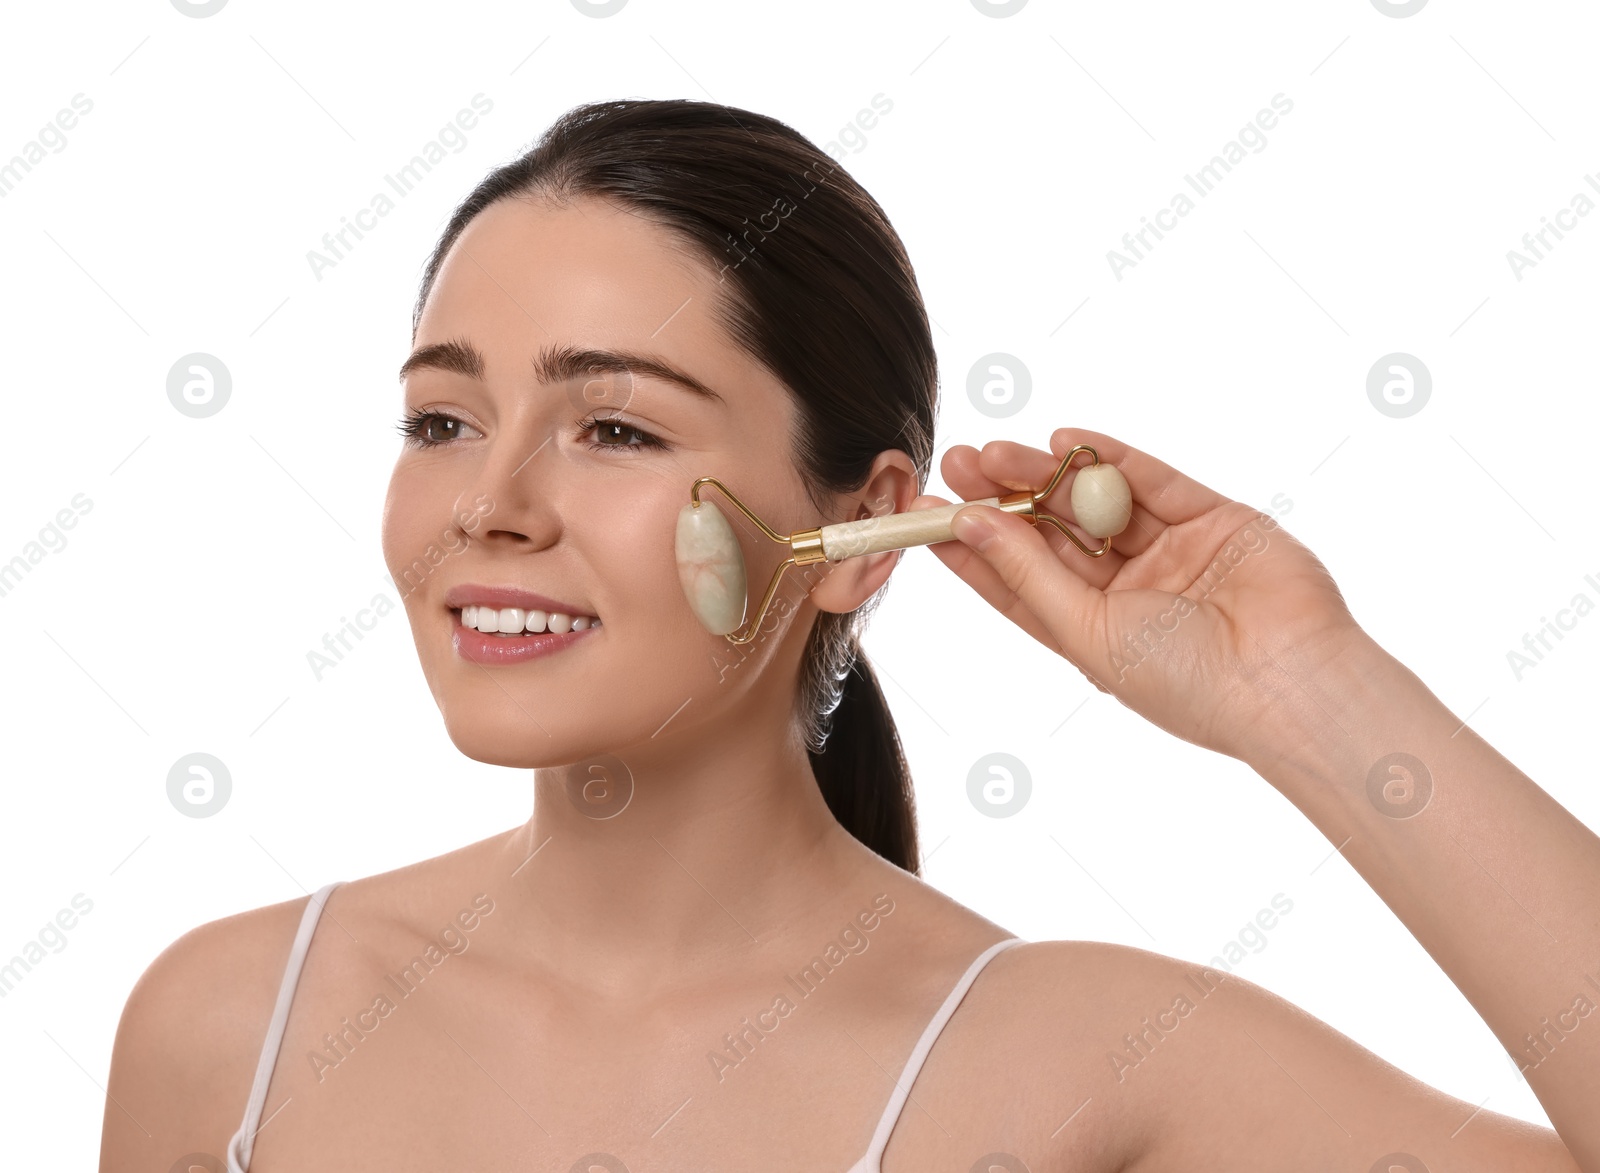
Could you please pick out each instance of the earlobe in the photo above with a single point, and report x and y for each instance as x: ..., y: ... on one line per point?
x: 853, y: 581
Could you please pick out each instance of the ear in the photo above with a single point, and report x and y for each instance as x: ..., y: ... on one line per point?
x: 890, y: 487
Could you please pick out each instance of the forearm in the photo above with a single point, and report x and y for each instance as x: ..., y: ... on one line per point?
x: 1495, y: 878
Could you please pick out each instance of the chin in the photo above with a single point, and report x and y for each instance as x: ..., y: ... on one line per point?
x: 502, y: 735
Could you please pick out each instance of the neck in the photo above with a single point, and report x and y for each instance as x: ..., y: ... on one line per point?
x: 664, y: 859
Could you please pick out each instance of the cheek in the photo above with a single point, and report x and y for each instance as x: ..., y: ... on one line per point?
x: 408, y: 526
x: 634, y: 556
x: 636, y: 561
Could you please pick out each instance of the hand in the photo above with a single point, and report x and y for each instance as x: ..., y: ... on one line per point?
x: 1202, y: 614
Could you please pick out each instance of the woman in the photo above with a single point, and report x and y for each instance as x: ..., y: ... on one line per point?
x: 708, y: 947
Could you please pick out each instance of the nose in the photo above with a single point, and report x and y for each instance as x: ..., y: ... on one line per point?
x: 509, y: 502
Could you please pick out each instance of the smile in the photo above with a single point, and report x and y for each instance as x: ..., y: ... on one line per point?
x: 531, y: 634
x: 517, y: 621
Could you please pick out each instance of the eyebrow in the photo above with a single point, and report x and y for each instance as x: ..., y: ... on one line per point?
x: 555, y: 364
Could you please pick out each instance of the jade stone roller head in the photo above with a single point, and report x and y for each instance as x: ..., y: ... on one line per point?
x: 711, y: 564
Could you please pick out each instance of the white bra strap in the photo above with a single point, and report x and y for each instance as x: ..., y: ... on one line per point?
x: 902, y: 1087
x: 244, y: 1139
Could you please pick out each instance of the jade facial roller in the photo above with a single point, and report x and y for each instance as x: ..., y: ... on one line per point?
x: 711, y: 564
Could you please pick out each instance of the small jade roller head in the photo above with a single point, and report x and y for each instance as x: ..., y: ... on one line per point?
x: 1101, y: 500
x: 711, y: 563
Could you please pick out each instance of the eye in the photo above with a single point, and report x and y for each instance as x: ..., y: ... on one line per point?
x: 610, y: 426
x: 415, y: 427
x: 431, y: 429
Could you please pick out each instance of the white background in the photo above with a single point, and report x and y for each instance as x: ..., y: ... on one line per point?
x: 217, y: 552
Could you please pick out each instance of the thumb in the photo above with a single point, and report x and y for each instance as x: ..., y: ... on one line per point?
x: 1033, y: 573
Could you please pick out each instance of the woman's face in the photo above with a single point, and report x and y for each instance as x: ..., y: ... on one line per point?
x: 515, y: 491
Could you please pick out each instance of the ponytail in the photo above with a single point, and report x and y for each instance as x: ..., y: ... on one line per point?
x: 854, y: 748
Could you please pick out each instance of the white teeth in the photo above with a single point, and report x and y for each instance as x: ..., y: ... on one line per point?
x: 511, y: 620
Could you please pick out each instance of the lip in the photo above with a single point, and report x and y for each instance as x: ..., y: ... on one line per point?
x: 468, y: 593
x: 471, y: 644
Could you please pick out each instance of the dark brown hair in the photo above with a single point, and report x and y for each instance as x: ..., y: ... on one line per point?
x: 820, y: 291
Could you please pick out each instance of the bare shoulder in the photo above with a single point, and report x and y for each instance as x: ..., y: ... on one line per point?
x: 1043, y: 1018
x: 1172, y: 1062
x: 190, y: 1035
x: 193, y: 1026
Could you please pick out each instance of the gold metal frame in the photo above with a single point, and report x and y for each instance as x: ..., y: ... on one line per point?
x: 806, y: 545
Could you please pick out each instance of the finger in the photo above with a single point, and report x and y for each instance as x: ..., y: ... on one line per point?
x: 1162, y: 495
x: 1018, y: 466
x: 1034, y: 582
x: 970, y: 566
x: 1143, y: 527
x: 963, y: 472
x: 1171, y: 497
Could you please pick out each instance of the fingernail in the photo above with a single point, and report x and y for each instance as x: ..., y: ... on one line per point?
x: 970, y: 527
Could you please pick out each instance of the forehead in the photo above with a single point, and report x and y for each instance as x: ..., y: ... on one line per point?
x: 526, y: 276
x: 526, y: 272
